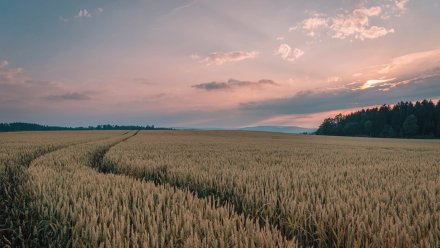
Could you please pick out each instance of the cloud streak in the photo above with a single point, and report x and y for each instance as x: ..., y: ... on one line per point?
x: 220, y: 58
x: 9, y: 75
x: 315, y: 22
x: 307, y: 102
x: 409, y: 77
x: 233, y: 84
x: 72, y: 96
x: 412, y: 64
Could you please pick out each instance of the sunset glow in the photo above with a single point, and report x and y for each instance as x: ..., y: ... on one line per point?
x: 203, y: 63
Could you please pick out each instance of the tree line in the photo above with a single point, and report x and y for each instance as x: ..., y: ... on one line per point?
x: 403, y: 120
x: 21, y: 126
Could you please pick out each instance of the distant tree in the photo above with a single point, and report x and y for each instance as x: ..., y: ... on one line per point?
x: 388, y: 132
x: 388, y: 121
x: 410, y: 127
x: 438, y: 129
x: 368, y: 126
x: 428, y: 128
x: 351, y: 128
x: 437, y: 118
x: 391, y: 133
x: 18, y: 126
x: 327, y: 127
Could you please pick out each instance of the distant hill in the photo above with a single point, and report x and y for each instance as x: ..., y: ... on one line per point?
x: 20, y: 126
x: 277, y: 129
x: 202, y: 128
x: 280, y: 129
x: 403, y: 120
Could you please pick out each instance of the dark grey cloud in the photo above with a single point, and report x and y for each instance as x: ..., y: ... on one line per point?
x: 233, y: 83
x: 307, y: 102
x: 72, y: 96
x: 212, y: 86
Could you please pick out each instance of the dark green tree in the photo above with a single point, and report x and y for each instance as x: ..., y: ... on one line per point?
x: 388, y: 121
x: 410, y: 126
x: 388, y: 132
x: 368, y: 126
x: 327, y: 127
x: 438, y: 129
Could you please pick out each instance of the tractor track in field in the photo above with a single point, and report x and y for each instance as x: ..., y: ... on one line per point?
x: 13, y: 200
x: 96, y: 160
x: 162, y: 178
x: 14, y: 205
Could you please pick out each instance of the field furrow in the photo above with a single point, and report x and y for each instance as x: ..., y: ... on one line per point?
x: 217, y: 189
x: 16, y: 154
x: 78, y: 206
x: 325, y: 192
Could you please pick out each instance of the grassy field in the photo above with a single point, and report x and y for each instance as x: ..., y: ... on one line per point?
x: 217, y: 189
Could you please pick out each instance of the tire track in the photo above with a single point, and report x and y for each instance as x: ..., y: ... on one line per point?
x: 161, y: 177
x: 15, y: 214
x: 96, y: 160
x: 72, y: 191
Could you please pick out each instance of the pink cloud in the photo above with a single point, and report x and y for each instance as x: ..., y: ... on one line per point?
x: 220, y: 58
x: 401, y: 4
x: 9, y: 75
x: 314, y: 22
x: 373, y: 83
x: 355, y: 24
x: 312, y: 120
x: 289, y: 54
x: 413, y: 63
x: 375, y: 32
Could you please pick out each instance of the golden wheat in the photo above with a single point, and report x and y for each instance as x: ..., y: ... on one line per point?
x: 324, y: 191
x: 87, y: 208
x: 217, y: 189
x: 17, y: 150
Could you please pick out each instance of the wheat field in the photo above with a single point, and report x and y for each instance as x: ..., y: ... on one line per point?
x: 217, y: 189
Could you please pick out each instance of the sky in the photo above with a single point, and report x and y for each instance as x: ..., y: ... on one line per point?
x: 207, y: 63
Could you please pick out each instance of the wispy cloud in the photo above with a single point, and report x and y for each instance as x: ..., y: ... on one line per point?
x: 400, y: 70
x: 19, y: 90
x: 317, y: 21
x: 71, y: 96
x: 184, y: 6
x: 83, y: 13
x: 412, y: 64
x: 401, y: 4
x: 326, y: 100
x: 289, y: 54
x: 233, y: 83
x: 220, y: 58
x: 409, y: 77
x: 374, y: 82
x: 355, y: 24
x: 8, y: 74
x: 63, y: 19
